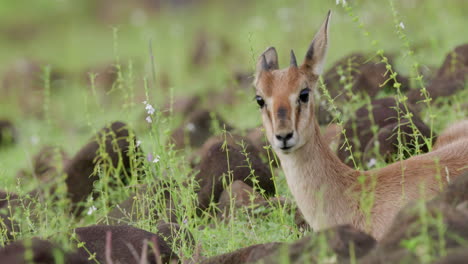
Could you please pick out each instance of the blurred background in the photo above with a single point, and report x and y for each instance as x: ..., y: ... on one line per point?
x: 67, y: 67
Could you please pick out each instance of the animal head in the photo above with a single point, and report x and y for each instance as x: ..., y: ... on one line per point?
x: 284, y: 95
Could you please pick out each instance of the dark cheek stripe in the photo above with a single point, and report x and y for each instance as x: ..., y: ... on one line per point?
x: 298, y: 114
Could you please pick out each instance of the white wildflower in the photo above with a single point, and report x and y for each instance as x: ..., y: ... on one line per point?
x: 343, y: 2
x: 149, y: 108
x: 34, y: 139
x: 191, y: 127
x: 372, y: 162
x: 138, y: 143
x: 156, y: 160
x: 402, y: 26
x: 91, y: 210
x: 148, y: 119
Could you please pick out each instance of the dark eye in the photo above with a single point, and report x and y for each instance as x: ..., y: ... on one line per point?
x: 260, y: 101
x: 304, y: 95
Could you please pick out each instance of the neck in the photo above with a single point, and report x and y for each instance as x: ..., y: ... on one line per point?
x: 319, y: 182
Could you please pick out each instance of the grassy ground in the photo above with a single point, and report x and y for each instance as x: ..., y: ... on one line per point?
x: 71, y: 39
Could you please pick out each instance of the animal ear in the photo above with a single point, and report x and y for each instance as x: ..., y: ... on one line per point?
x: 315, y: 56
x: 267, y: 61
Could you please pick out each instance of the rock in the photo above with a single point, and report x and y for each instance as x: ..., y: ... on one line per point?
x: 451, y: 77
x: 215, y: 167
x: 110, y: 149
x: 384, y: 145
x: 24, y: 83
x: 196, y: 129
x: 105, y: 76
x: 260, y: 143
x: 241, y: 195
x: 206, y: 49
x: 5, y: 197
x: 300, y: 221
x: 242, y: 255
x: 174, y: 235
x: 367, y: 76
x: 231, y: 139
x: 339, y: 241
x: 441, y: 86
x: 359, y: 133
x: 46, y: 164
x: 455, y: 60
x: 138, y: 207
x: 8, y: 133
x: 40, y: 251
x: 182, y: 105
x: 125, y: 241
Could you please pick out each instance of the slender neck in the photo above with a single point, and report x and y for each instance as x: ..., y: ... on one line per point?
x: 315, y: 170
x: 317, y: 160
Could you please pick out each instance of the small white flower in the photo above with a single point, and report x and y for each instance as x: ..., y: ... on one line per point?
x: 371, y: 163
x: 138, y: 143
x: 156, y: 160
x: 149, y: 109
x: 402, y: 26
x: 34, y: 139
x: 148, y: 119
x: 145, y: 102
x: 91, y: 210
x: 343, y: 2
x: 191, y: 127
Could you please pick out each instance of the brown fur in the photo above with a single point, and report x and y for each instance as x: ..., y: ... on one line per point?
x: 122, y: 240
x: 455, y: 132
x: 327, y: 191
x: 450, y: 206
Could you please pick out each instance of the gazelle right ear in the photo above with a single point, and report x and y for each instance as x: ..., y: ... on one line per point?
x: 315, y: 56
x: 267, y: 61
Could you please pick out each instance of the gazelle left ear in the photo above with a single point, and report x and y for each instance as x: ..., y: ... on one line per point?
x: 268, y: 61
x: 315, y: 56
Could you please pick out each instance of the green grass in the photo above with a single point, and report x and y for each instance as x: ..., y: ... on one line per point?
x: 71, y: 39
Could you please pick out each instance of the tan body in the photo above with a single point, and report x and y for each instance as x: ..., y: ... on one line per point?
x: 327, y: 191
x: 454, y: 133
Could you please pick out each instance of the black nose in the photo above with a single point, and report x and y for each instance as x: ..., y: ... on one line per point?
x: 284, y: 137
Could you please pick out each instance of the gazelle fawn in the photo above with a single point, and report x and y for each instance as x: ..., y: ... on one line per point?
x: 327, y: 191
